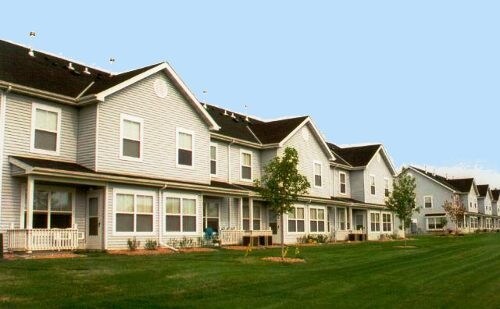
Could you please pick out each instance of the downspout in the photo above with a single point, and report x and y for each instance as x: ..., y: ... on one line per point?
x: 229, y: 161
x: 160, y: 227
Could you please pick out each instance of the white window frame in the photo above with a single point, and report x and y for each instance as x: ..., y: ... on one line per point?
x: 243, y: 151
x: 181, y: 215
x: 385, y: 222
x: 139, y: 120
x: 432, y: 201
x: 345, y: 183
x: 295, y: 219
x: 378, y: 223
x: 320, y: 173
x: 216, y: 158
x: 341, y: 213
x: 318, y: 220
x: 34, y: 107
x: 387, y: 186
x: 370, y: 177
x: 117, y: 191
x: 436, y: 218
x: 185, y: 131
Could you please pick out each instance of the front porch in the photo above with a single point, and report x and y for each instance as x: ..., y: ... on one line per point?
x: 43, y: 239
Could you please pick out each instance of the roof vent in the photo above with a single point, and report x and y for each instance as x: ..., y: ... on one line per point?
x: 70, y: 67
x: 205, y: 105
x: 247, y: 119
x: 31, y: 53
x: 233, y: 116
x: 225, y: 113
x: 86, y: 71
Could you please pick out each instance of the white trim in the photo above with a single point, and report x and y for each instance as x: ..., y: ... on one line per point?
x: 320, y: 173
x: 182, y: 196
x: 369, y: 222
x: 315, y: 131
x: 170, y: 71
x: 185, y: 131
x: 212, y: 144
x: 96, y: 156
x: 244, y: 151
x: 374, y: 184
x: 432, y: 201
x: 135, y: 119
x: 49, y: 108
x: 340, y: 183
x: 133, y: 192
x: 3, y: 108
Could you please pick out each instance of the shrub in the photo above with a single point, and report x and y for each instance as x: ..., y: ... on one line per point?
x: 133, y: 244
x: 313, y: 239
x: 151, y: 244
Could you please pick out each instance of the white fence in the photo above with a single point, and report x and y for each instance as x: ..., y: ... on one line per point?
x: 231, y: 237
x: 42, y: 239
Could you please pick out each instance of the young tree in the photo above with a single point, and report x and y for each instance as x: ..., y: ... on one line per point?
x: 281, y: 185
x: 401, y: 201
x: 455, y: 210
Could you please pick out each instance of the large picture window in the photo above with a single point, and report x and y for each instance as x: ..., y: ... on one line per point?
x: 296, y: 220
x: 180, y: 214
x: 46, y: 127
x: 435, y: 223
x: 52, y: 208
x: 134, y: 212
x: 131, y: 137
x: 185, y: 146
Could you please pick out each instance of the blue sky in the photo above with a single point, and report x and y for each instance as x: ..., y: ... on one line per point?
x: 422, y: 77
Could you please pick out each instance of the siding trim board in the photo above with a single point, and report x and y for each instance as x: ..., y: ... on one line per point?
x: 3, y: 102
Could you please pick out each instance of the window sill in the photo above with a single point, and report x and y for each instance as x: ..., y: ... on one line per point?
x: 132, y: 159
x: 187, y: 167
x: 45, y: 152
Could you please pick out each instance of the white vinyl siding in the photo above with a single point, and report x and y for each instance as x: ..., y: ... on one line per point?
x: 131, y: 137
x: 45, y: 129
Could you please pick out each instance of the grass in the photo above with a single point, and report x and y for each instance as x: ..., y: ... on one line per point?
x: 442, y: 272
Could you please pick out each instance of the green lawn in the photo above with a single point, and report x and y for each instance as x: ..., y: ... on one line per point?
x: 461, y: 272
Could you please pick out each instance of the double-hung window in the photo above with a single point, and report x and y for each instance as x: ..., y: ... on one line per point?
x: 131, y: 137
x: 213, y: 159
x: 296, y: 220
x: 134, y: 212
x: 180, y: 214
x: 342, y: 178
x: 375, y: 222
x: 386, y: 187
x: 246, y: 165
x: 185, y: 146
x: 246, y: 215
x: 256, y: 217
x: 46, y: 129
x: 428, y: 201
x: 387, y: 222
x: 317, y: 174
x: 341, y: 219
x: 316, y: 220
x: 372, y: 184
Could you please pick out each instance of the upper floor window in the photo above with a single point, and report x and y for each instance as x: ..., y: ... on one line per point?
x: 246, y: 165
x: 372, y: 184
x: 213, y: 159
x: 428, y: 201
x: 46, y: 129
x: 386, y: 187
x: 317, y: 174
x: 185, y: 148
x: 131, y: 137
x: 342, y: 177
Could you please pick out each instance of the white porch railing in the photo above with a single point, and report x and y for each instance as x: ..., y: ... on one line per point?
x: 235, y: 237
x: 231, y: 237
x: 42, y: 239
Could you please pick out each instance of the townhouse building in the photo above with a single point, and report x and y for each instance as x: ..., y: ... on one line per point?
x: 433, y: 190
x: 90, y: 159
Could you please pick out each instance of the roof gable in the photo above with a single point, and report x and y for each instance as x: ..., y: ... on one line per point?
x: 462, y: 185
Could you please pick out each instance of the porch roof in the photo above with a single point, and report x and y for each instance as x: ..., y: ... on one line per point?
x: 44, y: 167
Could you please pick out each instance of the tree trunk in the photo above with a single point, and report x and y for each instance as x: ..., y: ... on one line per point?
x: 282, y: 236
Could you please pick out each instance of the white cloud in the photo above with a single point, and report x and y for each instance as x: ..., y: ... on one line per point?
x: 477, y: 171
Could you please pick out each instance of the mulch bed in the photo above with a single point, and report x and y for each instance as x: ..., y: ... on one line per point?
x: 41, y: 255
x: 159, y: 251
x: 277, y: 259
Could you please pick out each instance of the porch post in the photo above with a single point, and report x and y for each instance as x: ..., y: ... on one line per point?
x: 350, y: 219
x: 241, y: 214
x: 250, y: 213
x: 229, y: 204
x: 30, y: 192
x: 335, y: 228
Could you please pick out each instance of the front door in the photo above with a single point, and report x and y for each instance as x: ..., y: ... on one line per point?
x: 94, y: 219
